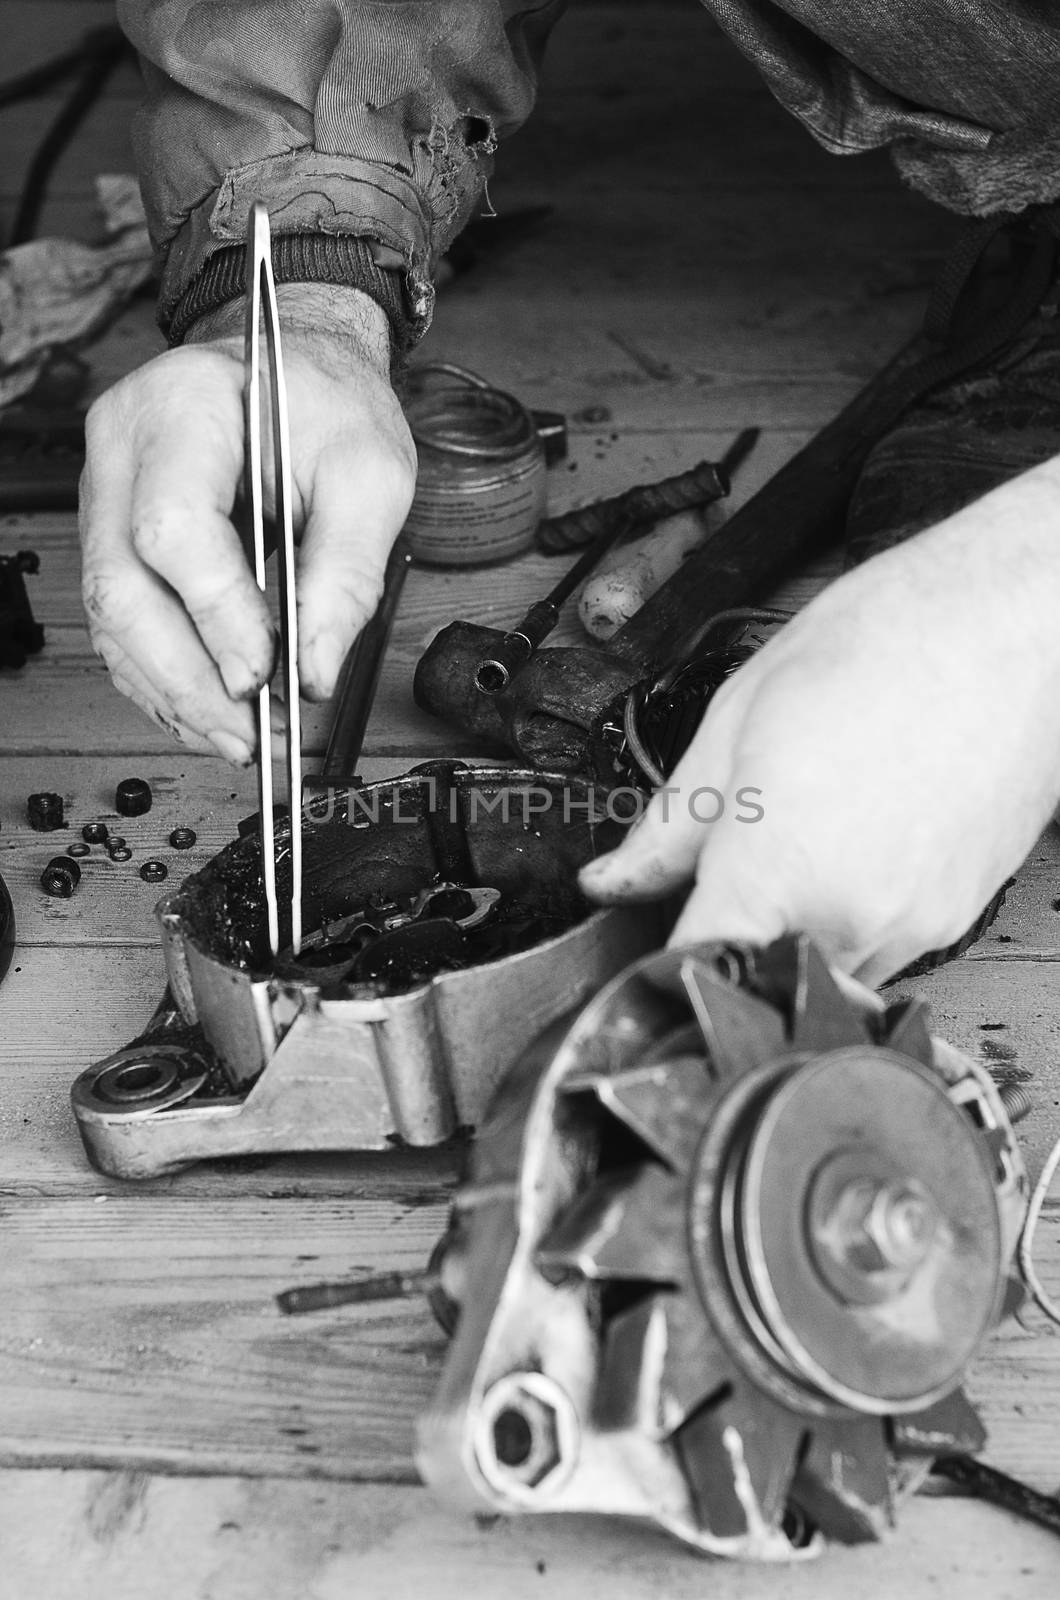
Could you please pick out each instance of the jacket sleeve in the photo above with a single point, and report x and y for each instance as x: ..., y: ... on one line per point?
x: 368, y: 130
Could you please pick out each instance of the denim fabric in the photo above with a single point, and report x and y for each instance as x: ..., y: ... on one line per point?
x: 965, y: 92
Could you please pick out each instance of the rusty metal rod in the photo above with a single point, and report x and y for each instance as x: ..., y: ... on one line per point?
x: 359, y: 677
x: 647, y: 502
x: 358, y: 1292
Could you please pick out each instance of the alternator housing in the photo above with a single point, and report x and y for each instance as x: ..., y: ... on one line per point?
x: 733, y: 1235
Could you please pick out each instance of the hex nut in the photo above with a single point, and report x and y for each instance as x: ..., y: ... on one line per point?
x: 154, y: 871
x: 95, y: 833
x: 44, y: 812
x: 526, y: 1435
x: 132, y: 797
x: 183, y: 838
x: 60, y: 877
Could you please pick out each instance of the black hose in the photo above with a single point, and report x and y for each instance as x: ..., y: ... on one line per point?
x: 98, y: 54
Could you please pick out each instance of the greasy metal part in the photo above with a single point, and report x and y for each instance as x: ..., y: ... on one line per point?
x: 44, y: 812
x: 359, y: 678
x: 60, y: 877
x: 639, y: 507
x: 640, y: 738
x: 261, y: 299
x: 95, y: 833
x: 293, y: 1056
x: 987, y: 1483
x: 183, y: 838
x: 732, y: 1235
x: 7, y: 929
x: 547, y: 712
x: 21, y: 635
x: 360, y: 1292
x: 133, y: 797
x: 496, y: 669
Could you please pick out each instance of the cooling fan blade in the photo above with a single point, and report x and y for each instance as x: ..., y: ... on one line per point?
x: 725, y: 1266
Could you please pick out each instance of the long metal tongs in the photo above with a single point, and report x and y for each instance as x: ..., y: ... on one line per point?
x: 261, y: 297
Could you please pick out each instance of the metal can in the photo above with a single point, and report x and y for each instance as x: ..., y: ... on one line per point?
x: 480, y: 492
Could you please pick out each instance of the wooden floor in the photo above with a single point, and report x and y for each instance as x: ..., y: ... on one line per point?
x: 163, y: 1430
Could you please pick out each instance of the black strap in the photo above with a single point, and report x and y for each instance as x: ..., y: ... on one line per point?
x: 987, y: 1483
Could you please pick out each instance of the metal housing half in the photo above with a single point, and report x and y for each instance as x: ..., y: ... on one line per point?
x: 245, y: 1059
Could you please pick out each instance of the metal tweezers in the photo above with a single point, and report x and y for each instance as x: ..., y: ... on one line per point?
x: 261, y: 297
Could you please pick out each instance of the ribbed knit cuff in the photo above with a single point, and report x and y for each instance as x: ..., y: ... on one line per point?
x: 300, y: 258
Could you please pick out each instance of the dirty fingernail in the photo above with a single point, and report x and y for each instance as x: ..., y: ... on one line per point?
x: 232, y: 748
x: 239, y: 680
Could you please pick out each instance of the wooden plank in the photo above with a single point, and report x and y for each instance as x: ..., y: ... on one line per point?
x: 1006, y: 1014
x: 143, y: 1331
x: 562, y: 359
x: 119, y: 1535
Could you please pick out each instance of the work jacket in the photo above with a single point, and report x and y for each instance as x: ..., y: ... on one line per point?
x: 366, y: 128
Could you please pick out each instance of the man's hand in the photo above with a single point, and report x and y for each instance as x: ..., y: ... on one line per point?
x: 172, y: 604
x: 904, y: 734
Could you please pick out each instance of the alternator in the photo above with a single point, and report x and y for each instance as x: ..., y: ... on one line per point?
x: 732, y: 1238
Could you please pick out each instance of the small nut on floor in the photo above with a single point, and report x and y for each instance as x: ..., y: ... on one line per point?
x: 132, y: 797
x: 44, y: 812
x: 154, y: 871
x: 95, y: 833
x: 183, y: 838
x: 60, y: 877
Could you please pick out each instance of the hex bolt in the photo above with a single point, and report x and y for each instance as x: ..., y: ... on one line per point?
x: 877, y: 1226
x: 524, y: 1439
x: 44, y: 812
x: 526, y: 1433
x: 132, y: 797
x: 183, y: 838
x: 95, y: 833
x: 60, y: 877
x: 1017, y: 1101
x: 154, y: 871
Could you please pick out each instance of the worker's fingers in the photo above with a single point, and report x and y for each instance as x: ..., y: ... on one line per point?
x: 182, y: 497
x: 137, y: 623
x: 732, y: 908
x: 356, y: 505
x: 660, y: 852
x: 131, y: 682
x: 136, y: 620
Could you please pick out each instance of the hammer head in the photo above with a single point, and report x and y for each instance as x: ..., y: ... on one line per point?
x: 547, y: 710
